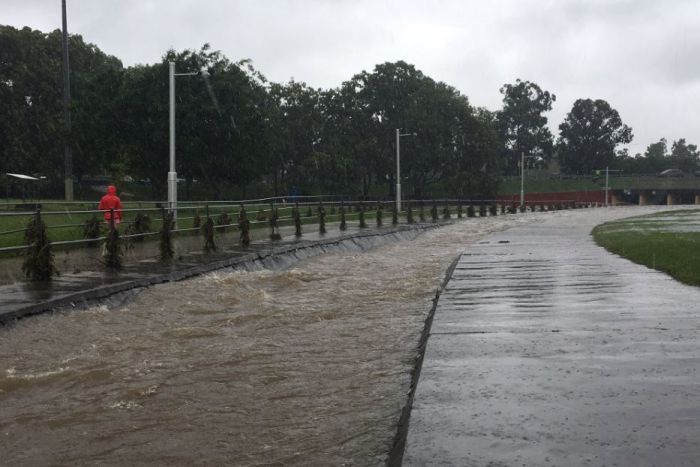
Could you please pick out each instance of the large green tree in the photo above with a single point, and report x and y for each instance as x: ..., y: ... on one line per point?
x: 238, y: 134
x: 32, y: 133
x: 221, y: 122
x: 522, y: 124
x: 589, y: 136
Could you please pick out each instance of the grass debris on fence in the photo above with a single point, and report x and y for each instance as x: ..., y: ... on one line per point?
x: 38, y: 264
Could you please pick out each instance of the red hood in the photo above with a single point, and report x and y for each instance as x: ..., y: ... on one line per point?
x: 111, y: 190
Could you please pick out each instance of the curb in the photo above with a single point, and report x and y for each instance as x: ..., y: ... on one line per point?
x: 395, y: 458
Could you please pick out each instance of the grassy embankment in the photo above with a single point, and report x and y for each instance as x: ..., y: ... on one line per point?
x: 668, y: 242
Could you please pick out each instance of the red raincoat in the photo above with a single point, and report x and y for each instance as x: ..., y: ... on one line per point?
x: 111, y: 201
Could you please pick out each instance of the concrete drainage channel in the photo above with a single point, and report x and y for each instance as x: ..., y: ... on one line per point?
x: 114, y: 295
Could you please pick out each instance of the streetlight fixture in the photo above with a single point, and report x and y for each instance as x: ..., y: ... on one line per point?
x: 172, y: 174
x: 398, y: 166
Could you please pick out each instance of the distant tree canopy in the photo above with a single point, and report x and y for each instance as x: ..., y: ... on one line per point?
x: 522, y: 124
x: 657, y: 158
x: 589, y: 135
x: 239, y: 134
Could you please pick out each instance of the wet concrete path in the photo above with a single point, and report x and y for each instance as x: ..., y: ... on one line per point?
x: 547, y: 350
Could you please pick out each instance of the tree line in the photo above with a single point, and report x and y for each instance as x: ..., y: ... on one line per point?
x: 240, y: 135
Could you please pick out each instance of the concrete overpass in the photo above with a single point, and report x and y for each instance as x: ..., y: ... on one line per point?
x: 638, y: 190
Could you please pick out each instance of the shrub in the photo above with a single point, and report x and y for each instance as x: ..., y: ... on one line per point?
x: 273, y: 222
x: 446, y: 215
x: 91, y: 229
x: 222, y: 221
x: 208, y: 230
x: 38, y: 264
x: 363, y: 224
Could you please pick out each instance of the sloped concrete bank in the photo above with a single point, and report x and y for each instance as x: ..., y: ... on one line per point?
x: 114, y: 295
x: 395, y: 457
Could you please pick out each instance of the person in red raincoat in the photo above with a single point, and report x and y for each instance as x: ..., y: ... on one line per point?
x: 111, y: 201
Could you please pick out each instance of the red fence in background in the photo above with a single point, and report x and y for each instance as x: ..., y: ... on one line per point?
x: 594, y: 196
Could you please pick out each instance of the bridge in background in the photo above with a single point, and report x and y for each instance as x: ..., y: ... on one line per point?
x: 640, y: 190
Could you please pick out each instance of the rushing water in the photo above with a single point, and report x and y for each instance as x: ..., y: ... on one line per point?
x: 304, y: 366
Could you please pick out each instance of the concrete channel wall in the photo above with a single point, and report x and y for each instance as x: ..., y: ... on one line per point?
x: 274, y: 258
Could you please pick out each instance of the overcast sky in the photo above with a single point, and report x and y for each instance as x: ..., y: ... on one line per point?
x: 642, y: 56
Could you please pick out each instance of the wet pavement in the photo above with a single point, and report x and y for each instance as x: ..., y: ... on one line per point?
x: 547, y: 350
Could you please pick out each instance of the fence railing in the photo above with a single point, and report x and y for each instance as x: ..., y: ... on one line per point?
x: 70, y: 228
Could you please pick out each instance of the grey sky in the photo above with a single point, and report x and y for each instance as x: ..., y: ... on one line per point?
x: 639, y: 55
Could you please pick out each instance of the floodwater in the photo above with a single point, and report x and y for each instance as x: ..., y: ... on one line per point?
x: 304, y: 366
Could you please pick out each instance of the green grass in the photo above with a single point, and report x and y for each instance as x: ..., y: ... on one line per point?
x: 668, y: 242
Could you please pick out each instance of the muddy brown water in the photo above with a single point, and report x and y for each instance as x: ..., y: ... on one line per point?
x: 305, y: 366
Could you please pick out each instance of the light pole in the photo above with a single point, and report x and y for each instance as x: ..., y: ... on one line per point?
x: 172, y: 174
x: 67, y: 151
x: 398, y: 166
x: 522, y: 176
x: 607, y: 184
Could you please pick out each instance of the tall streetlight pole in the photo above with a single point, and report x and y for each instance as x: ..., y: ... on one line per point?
x: 398, y: 166
x: 67, y: 152
x: 172, y: 174
x: 522, y: 178
x: 607, y: 184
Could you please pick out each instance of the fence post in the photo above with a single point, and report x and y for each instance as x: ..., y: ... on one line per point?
x: 343, y: 226
x: 209, y: 243
x: 112, y: 245
x: 166, y: 240
x: 321, y: 218
x: 297, y: 219
x: 38, y: 266
x: 274, y: 228
x: 244, y: 226
x: 363, y: 224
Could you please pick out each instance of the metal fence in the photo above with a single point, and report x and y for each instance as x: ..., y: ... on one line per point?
x: 66, y: 226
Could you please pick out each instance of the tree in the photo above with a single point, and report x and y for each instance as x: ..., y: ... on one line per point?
x: 296, y: 138
x: 522, y: 125
x: 589, y: 135
x: 31, y: 115
x: 685, y: 156
x: 222, y: 124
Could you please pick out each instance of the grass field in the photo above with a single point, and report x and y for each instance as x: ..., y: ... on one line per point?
x: 668, y: 242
